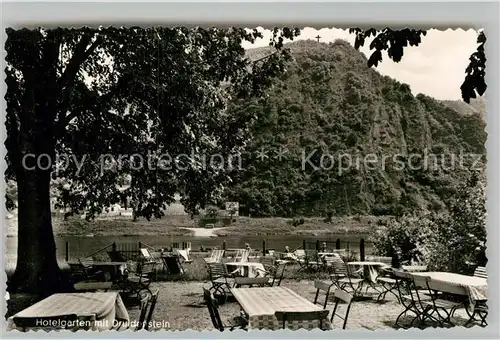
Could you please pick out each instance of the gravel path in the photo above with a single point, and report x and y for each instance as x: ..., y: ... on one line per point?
x: 203, y: 232
x: 180, y: 306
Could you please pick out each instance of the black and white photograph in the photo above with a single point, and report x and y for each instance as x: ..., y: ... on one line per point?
x: 242, y: 178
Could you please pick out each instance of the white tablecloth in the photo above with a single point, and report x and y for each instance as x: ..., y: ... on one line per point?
x: 476, y: 288
x: 248, y: 269
x: 107, y: 307
x: 370, y: 269
x: 260, y: 304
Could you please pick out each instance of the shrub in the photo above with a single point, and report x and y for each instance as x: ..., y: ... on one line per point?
x: 451, y: 241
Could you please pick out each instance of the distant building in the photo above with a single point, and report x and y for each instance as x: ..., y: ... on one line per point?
x: 232, y: 208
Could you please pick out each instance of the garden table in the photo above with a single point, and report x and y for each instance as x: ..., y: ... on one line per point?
x: 261, y: 304
x: 247, y: 269
x: 113, y: 269
x: 370, y: 269
x: 107, y: 308
x: 476, y: 288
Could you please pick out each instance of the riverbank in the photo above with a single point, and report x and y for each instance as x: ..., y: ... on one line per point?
x: 185, y: 226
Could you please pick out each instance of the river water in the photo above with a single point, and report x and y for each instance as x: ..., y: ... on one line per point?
x: 81, y: 246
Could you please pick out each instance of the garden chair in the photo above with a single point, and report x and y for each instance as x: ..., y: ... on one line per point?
x: 337, y: 270
x: 480, y: 310
x: 237, y: 322
x: 269, y: 264
x: 116, y: 256
x: 173, y: 264
x: 439, y: 303
x: 328, y: 261
x: 274, y: 274
x: 307, y: 259
x: 184, y: 255
x: 242, y: 255
x: 481, y: 272
x: 222, y: 281
x: 290, y: 317
x: 147, y: 256
x: 313, y: 261
x: 300, y: 254
x: 215, y: 256
x: 389, y: 284
x: 322, y: 286
x: 142, y: 315
x: 138, y: 283
x: 344, y: 277
x: 267, y: 261
x: 339, y: 295
x: 407, y: 293
x: 152, y: 305
x: 88, y: 271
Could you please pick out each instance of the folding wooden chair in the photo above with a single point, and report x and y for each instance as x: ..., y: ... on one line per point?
x: 322, y: 286
x: 222, y: 281
x: 244, y: 256
x: 481, y: 272
x: 215, y: 256
x: 151, y: 308
x: 173, y: 265
x: 269, y: 264
x: 443, y: 307
x: 340, y: 295
x: 215, y: 316
x: 344, y: 277
x: 89, y: 272
x: 301, y: 258
x: 267, y: 261
x: 138, y: 283
x: 389, y: 284
x: 142, y: 316
x: 219, y: 254
x: 184, y: 255
x: 299, y: 320
x: 407, y: 292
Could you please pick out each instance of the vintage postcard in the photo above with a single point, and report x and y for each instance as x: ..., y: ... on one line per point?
x: 175, y: 178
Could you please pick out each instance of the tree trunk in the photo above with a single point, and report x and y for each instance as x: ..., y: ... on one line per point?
x: 37, y: 270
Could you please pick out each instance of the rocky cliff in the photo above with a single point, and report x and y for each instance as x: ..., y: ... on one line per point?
x: 367, y: 136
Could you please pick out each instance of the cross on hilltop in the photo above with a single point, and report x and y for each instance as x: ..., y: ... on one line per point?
x: 317, y: 37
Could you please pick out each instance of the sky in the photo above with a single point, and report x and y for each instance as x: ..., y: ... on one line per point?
x: 436, y: 67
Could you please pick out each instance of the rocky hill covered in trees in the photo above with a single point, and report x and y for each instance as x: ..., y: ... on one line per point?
x: 331, y: 104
